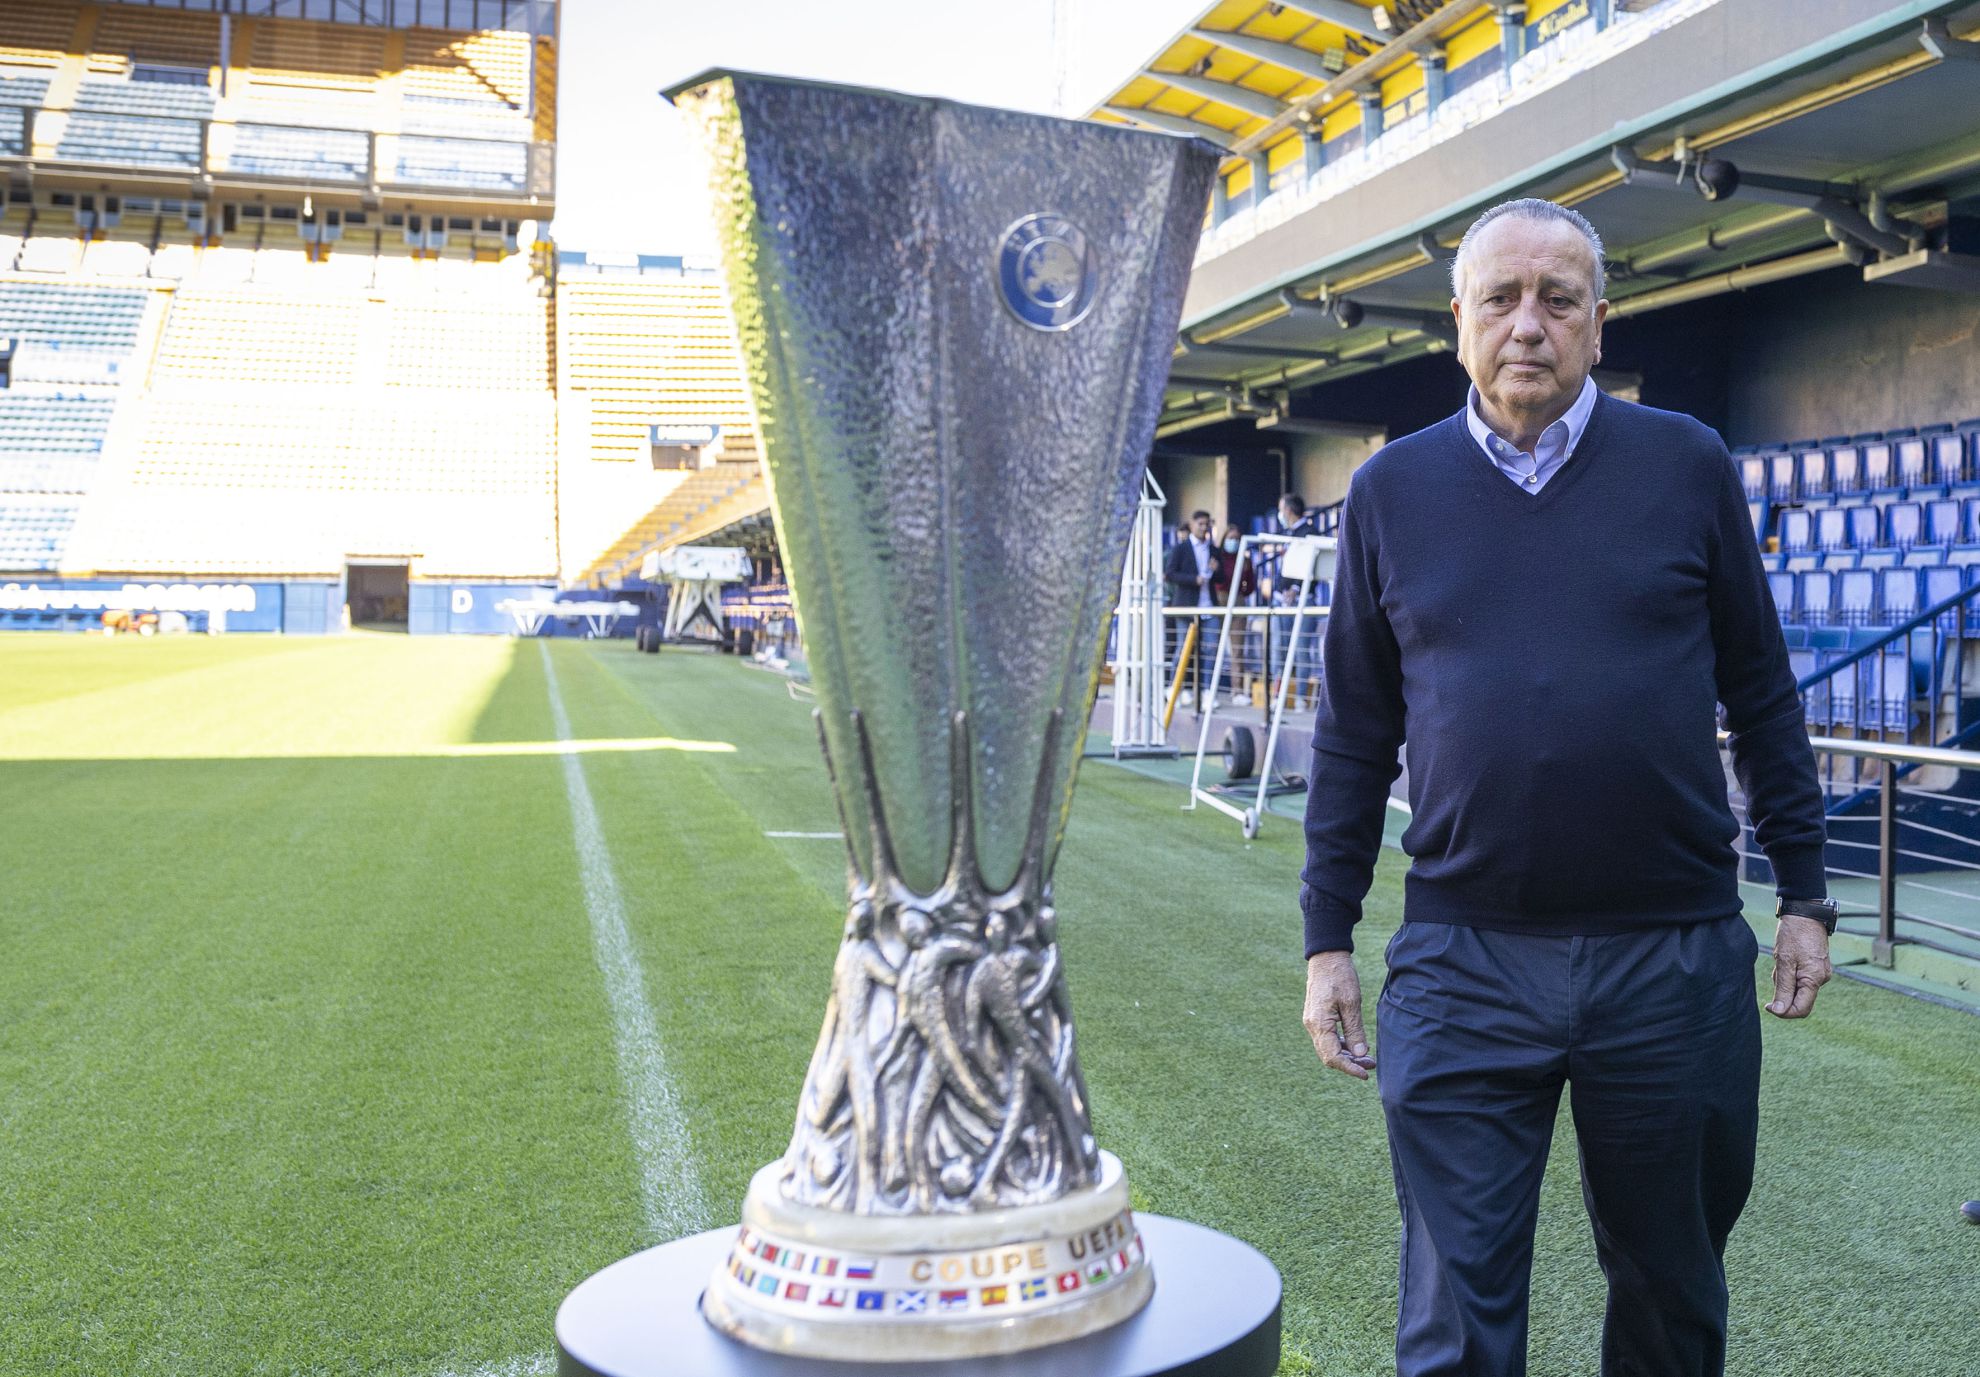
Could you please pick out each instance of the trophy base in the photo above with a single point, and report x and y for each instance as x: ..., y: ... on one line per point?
x: 897, y: 1288
x: 1216, y: 1314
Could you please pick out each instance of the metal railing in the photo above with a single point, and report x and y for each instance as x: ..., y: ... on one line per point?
x: 1876, y: 687
x: 1935, y: 865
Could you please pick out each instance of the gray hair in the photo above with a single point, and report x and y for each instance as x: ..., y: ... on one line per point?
x: 1532, y: 208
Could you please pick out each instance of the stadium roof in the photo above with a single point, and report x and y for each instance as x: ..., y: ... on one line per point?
x: 1848, y: 124
x: 524, y: 16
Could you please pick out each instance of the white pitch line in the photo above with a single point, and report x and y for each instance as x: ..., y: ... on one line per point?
x: 670, y: 1187
x: 807, y: 836
x: 523, y: 1365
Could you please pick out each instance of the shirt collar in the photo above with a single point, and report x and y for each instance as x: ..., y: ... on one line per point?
x: 1575, y: 420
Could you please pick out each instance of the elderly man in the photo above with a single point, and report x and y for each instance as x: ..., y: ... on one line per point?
x: 1545, y: 595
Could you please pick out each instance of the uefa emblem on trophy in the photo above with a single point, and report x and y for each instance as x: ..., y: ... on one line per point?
x: 956, y: 324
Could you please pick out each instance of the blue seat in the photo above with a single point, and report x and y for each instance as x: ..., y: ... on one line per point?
x: 1886, y: 689
x: 1841, y: 689
x: 1945, y: 454
x: 1884, y: 558
x: 1797, y: 527
x: 1815, y: 598
x: 1802, y: 563
x: 1782, y: 586
x: 1856, y: 597
x: 1863, y: 524
x: 1812, y: 472
x: 1845, y: 469
x: 1913, y: 468
x: 1897, y: 594
x: 1838, y: 559
x: 1879, y: 467
x: 1941, y: 583
x: 1970, y: 526
x: 1832, y: 528
x: 1780, y: 475
x: 1943, y: 522
x: 1923, y: 557
x: 1756, y: 512
x: 1904, y: 524
x: 1815, y: 698
x: 1753, y: 476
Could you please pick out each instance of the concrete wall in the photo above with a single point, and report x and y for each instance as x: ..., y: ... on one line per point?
x: 1844, y: 356
x: 1322, y: 465
x: 1193, y: 482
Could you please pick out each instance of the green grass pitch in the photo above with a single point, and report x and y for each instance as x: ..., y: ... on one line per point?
x: 307, y: 1064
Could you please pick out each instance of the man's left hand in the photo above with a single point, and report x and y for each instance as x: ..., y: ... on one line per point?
x: 1801, y: 966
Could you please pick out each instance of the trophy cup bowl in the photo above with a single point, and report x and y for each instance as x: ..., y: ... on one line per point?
x: 956, y: 324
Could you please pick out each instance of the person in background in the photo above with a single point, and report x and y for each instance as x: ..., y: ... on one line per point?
x: 1237, y: 661
x: 1190, y: 564
x: 1294, y: 519
x: 1189, y: 567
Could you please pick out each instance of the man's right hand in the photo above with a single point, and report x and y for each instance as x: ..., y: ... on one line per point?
x: 1333, y: 1013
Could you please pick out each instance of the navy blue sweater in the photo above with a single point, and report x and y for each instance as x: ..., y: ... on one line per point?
x: 1554, y: 660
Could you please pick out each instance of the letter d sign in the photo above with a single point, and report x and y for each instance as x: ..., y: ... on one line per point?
x: 463, y: 602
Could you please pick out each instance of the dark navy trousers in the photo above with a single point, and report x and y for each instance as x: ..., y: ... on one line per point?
x: 1657, y: 1036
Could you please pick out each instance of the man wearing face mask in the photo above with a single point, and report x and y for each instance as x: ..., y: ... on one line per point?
x: 1546, y: 595
x: 1237, y: 660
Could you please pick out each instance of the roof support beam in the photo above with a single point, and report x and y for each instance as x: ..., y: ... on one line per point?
x: 1343, y: 14
x: 1716, y: 180
x: 1403, y: 45
x: 1289, y: 56
x: 1224, y: 93
x: 1260, y: 351
x: 1173, y: 124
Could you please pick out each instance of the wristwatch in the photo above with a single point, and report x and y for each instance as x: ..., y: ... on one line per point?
x: 1822, y: 911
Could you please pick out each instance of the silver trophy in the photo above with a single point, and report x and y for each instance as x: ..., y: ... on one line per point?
x: 956, y: 324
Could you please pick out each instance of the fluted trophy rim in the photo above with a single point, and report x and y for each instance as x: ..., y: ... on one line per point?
x: 707, y: 75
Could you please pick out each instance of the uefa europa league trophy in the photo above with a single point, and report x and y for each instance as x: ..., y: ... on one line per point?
x: 956, y: 323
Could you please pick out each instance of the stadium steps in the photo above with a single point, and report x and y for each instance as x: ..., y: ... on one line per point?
x: 682, y: 509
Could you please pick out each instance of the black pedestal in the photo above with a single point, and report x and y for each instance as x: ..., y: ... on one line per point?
x: 1215, y: 1313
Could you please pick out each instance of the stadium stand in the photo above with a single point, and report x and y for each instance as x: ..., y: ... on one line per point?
x: 277, y: 371
x: 639, y: 346
x: 74, y: 346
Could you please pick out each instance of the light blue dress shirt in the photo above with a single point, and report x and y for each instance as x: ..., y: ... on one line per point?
x: 1556, y: 446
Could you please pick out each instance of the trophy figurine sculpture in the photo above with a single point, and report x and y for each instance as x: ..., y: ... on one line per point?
x: 956, y: 323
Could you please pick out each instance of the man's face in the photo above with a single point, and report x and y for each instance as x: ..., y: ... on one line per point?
x: 1286, y: 517
x: 1200, y: 528
x: 1529, y: 328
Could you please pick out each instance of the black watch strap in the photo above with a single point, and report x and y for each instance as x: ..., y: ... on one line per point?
x: 1822, y: 911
